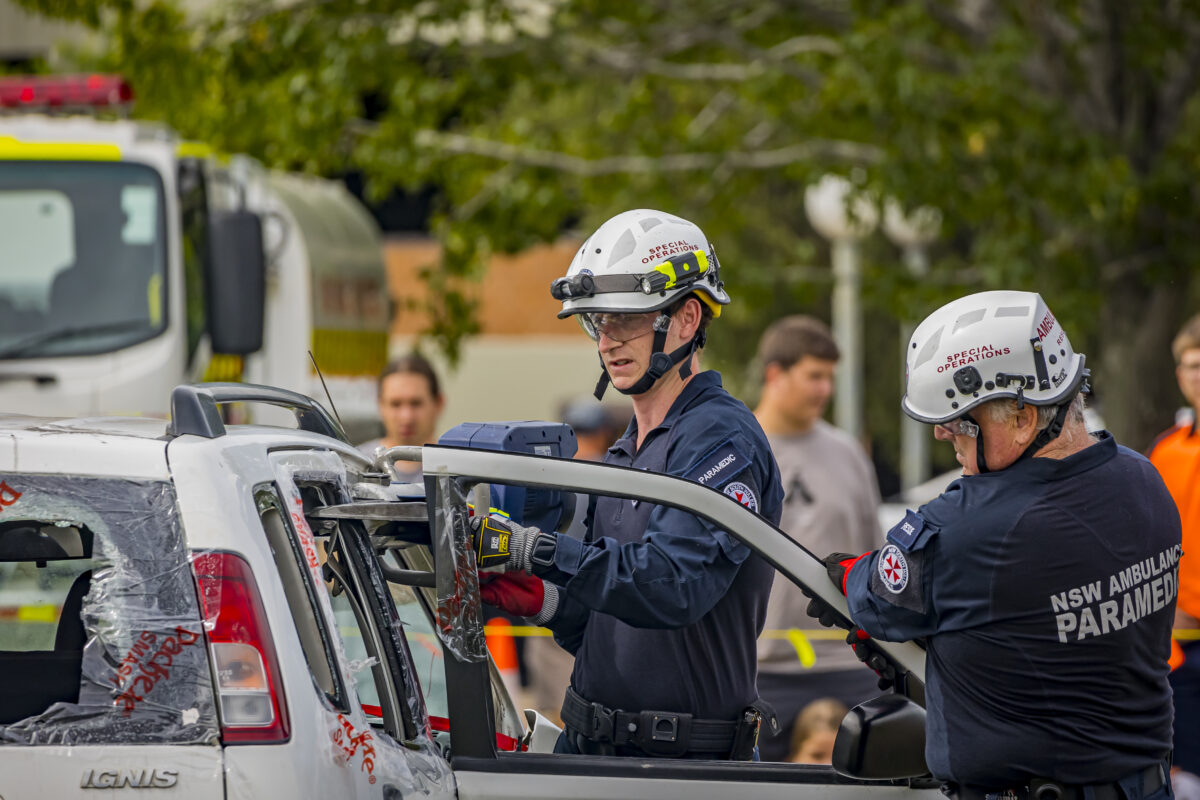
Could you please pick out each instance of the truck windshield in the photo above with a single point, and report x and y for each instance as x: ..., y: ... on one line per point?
x: 83, y: 264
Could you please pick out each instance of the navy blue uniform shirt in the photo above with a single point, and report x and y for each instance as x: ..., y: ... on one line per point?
x: 661, y: 608
x: 1047, y: 590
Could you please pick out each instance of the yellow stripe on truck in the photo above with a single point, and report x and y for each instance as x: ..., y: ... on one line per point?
x: 193, y: 150
x: 349, y: 352
x: 13, y: 149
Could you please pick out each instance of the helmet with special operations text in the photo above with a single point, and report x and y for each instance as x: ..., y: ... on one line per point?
x: 986, y: 346
x: 638, y: 262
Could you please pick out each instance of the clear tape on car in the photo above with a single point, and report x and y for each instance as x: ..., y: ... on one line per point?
x: 460, y: 623
x: 139, y: 661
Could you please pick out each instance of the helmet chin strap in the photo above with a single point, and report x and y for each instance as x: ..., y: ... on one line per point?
x: 660, y: 362
x: 1044, y: 437
x: 1050, y: 432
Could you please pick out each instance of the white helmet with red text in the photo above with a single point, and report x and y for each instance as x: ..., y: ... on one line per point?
x: 984, y: 346
x: 638, y: 261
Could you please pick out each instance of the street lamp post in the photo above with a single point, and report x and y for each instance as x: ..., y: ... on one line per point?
x: 912, y: 233
x: 844, y: 222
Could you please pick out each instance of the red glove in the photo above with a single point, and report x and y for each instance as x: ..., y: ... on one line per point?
x: 838, y: 565
x: 515, y: 592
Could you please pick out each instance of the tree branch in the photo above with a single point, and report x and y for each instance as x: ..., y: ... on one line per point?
x: 835, y: 150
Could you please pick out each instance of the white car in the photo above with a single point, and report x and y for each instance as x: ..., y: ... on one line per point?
x: 243, y: 611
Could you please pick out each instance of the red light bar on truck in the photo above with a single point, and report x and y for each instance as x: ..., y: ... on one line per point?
x: 37, y: 92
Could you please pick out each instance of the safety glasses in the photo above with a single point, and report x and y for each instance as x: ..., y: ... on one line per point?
x: 960, y: 427
x: 620, y: 328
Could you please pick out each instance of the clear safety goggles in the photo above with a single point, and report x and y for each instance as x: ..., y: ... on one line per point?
x: 960, y: 427
x: 622, y: 327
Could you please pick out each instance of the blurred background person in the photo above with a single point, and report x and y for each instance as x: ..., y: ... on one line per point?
x: 596, y: 425
x: 815, y: 730
x: 1176, y: 454
x: 830, y: 504
x: 410, y: 402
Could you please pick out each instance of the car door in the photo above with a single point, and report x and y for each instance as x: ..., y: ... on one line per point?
x: 484, y: 772
x: 371, y: 723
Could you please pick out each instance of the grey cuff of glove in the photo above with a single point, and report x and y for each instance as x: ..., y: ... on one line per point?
x: 520, y: 547
x: 549, y: 605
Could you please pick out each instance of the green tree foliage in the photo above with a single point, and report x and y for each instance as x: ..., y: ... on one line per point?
x: 1059, y: 140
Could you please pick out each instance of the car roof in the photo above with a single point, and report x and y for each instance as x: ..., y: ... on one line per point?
x: 127, y: 447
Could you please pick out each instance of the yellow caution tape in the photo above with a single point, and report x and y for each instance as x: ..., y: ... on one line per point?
x: 37, y: 613
x: 14, y: 149
x: 799, y: 639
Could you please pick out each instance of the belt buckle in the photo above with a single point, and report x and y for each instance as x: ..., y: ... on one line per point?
x: 661, y: 733
x: 662, y: 727
x: 602, y: 723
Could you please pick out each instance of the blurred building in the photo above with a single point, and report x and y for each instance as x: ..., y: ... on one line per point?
x: 25, y: 36
x: 525, y: 360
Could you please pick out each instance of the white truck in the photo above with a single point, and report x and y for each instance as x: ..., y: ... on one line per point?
x: 133, y: 262
x: 220, y: 611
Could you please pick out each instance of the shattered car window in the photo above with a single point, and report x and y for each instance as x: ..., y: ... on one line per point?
x: 101, y: 638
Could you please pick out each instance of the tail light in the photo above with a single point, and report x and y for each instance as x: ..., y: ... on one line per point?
x: 65, y: 91
x: 249, y: 685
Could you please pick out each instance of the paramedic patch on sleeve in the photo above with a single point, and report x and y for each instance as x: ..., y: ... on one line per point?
x: 719, y: 467
x: 910, y: 533
x: 897, y: 578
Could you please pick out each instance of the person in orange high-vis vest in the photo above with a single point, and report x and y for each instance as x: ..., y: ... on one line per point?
x: 1176, y: 453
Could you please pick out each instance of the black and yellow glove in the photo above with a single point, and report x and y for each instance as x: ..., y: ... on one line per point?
x: 502, y: 545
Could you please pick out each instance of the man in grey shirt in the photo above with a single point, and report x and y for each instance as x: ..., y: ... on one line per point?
x: 830, y: 505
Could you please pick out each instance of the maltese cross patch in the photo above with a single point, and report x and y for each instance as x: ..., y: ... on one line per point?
x: 742, y: 493
x: 893, y: 569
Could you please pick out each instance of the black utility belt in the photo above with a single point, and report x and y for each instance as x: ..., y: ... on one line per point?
x: 659, y: 733
x: 1153, y: 777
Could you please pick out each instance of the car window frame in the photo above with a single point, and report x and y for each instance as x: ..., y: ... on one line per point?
x: 405, y: 718
x: 269, y: 492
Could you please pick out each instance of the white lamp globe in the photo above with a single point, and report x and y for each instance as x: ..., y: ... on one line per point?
x: 915, y: 229
x: 825, y: 204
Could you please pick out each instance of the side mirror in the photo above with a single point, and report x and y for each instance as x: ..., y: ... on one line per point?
x: 237, y: 282
x: 882, y: 739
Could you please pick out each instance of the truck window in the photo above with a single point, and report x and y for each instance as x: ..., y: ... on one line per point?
x: 83, y: 267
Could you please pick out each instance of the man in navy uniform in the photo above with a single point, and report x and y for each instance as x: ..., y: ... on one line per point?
x: 1044, y: 579
x: 660, y: 608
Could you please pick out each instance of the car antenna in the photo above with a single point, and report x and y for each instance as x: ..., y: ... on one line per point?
x: 328, y: 396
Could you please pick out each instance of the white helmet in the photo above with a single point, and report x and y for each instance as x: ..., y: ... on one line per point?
x: 638, y: 262
x: 641, y: 260
x: 984, y: 346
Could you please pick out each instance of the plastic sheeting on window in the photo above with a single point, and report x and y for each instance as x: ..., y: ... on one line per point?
x: 144, y: 674
x: 410, y: 768
x: 460, y: 624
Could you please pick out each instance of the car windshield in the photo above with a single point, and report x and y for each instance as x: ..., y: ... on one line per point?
x: 83, y: 266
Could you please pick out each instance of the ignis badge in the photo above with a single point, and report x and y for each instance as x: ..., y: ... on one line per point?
x: 742, y: 493
x: 893, y: 569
